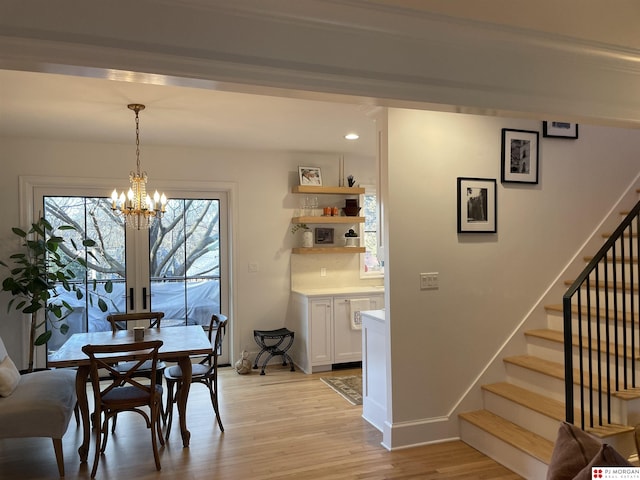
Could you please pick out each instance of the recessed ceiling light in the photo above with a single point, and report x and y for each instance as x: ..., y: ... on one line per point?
x: 352, y: 136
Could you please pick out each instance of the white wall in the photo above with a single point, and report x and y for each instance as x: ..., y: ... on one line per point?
x: 264, y: 208
x: 441, y: 340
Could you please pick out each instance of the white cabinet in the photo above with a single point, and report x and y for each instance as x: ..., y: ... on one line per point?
x: 374, y: 368
x: 319, y: 325
x: 347, y: 342
x: 324, y: 335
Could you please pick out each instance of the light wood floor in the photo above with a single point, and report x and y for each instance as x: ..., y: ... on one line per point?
x: 285, y: 426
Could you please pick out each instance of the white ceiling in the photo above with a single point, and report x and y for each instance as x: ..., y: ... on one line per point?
x: 95, y: 110
x: 89, y: 109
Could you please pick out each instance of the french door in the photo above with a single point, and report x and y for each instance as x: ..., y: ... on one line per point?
x: 178, y: 266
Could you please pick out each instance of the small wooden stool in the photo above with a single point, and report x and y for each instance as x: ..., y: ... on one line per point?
x: 271, y: 341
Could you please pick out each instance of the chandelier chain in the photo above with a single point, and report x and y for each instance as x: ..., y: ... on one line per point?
x: 137, y: 142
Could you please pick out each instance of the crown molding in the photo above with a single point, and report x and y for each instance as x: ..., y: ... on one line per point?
x: 373, y: 53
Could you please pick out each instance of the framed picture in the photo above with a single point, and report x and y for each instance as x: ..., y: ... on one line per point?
x: 560, y: 130
x: 323, y: 235
x: 310, y: 176
x: 477, y: 205
x: 519, y: 156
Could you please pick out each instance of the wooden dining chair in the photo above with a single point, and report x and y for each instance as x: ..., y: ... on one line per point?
x: 204, y: 372
x: 126, y: 321
x: 122, y: 321
x: 123, y: 392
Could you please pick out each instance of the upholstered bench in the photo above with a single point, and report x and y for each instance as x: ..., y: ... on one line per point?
x: 38, y: 404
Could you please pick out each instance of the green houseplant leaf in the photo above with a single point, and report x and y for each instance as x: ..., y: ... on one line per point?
x: 37, y: 270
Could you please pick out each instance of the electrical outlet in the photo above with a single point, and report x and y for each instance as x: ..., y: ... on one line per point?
x: 253, y: 268
x: 429, y: 281
x: 323, y: 272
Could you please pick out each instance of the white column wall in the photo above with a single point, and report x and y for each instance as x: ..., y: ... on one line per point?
x: 441, y: 340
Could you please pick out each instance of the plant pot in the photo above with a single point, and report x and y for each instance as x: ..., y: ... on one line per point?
x: 352, y: 241
x: 307, y: 239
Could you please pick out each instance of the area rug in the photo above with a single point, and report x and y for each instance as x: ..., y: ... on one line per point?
x: 350, y: 387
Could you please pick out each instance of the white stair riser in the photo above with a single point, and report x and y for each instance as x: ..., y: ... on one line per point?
x: 609, y: 300
x: 554, y: 388
x: 535, y: 422
x: 554, y: 351
x: 514, y: 459
x: 555, y: 322
x: 619, y: 268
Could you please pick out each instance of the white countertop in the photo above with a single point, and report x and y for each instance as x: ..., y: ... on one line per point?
x: 374, y: 314
x: 325, y: 292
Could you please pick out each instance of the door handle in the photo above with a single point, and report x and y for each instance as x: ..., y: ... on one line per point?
x: 131, y: 300
x: 144, y: 298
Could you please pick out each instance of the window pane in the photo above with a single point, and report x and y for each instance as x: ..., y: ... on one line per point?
x: 93, y: 219
x: 185, y: 261
x: 371, y: 263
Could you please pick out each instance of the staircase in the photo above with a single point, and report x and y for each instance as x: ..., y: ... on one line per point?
x: 519, y: 422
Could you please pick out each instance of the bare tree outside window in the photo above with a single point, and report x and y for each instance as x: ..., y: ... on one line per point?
x: 184, y: 259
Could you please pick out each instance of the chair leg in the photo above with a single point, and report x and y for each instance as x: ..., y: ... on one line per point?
x: 76, y: 413
x: 57, y: 448
x: 170, y: 402
x: 113, y: 425
x: 155, y: 420
x: 98, y: 429
x: 213, y: 393
x: 158, y: 424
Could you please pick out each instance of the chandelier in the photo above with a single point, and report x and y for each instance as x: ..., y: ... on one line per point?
x: 138, y: 208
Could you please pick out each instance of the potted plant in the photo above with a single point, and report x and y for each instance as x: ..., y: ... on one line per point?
x: 307, y: 236
x: 39, y: 269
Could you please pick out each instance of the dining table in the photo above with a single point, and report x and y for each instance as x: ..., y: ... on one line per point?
x: 179, y: 344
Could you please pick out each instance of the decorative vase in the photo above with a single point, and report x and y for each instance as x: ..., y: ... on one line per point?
x: 307, y: 239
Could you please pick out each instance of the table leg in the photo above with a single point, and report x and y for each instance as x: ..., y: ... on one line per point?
x: 183, y: 395
x: 81, y: 393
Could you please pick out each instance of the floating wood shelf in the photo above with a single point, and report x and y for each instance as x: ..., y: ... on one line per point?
x: 313, y: 189
x: 324, y: 250
x: 327, y: 219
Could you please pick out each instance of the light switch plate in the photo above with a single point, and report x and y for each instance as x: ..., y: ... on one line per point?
x: 429, y: 281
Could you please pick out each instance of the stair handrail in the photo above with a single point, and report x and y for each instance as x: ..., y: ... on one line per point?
x: 601, y: 258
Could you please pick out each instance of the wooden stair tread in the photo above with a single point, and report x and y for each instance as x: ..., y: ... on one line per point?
x: 611, y: 259
x: 551, y: 408
x: 557, y: 336
x: 512, y: 434
x: 556, y: 370
x: 626, y: 235
x: 619, y: 286
x: 574, y: 309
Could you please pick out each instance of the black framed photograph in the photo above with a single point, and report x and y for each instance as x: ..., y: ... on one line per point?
x: 310, y: 176
x: 519, y: 156
x: 323, y: 236
x: 560, y: 130
x: 477, y: 205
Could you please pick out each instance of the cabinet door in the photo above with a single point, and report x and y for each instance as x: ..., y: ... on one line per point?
x: 320, y: 321
x: 347, y: 340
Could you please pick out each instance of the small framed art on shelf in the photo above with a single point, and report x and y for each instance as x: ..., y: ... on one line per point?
x: 310, y: 176
x: 323, y: 236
